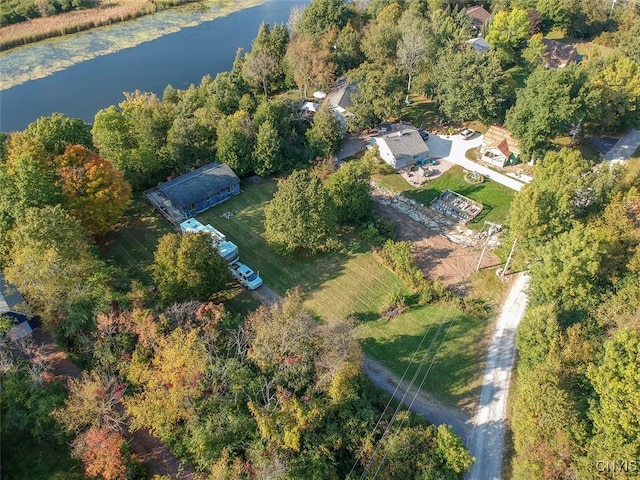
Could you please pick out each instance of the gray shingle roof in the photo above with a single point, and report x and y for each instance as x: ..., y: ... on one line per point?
x: 406, y: 142
x: 199, y: 184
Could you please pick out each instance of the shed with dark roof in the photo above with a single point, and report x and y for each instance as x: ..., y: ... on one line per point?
x: 194, y: 192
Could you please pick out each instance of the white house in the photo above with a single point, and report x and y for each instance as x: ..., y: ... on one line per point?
x: 499, y: 147
x: 479, y: 44
x: 402, y: 148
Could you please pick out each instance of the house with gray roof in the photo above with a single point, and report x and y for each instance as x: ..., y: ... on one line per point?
x: 13, y: 307
x: 194, y: 192
x: 402, y: 148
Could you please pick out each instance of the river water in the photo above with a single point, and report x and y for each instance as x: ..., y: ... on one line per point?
x: 179, y: 59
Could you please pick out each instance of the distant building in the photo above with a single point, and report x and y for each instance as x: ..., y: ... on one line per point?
x: 499, y: 147
x: 402, y: 148
x: 13, y: 306
x: 557, y: 54
x: 194, y: 192
x: 479, y: 44
x: 340, y: 99
x: 479, y: 17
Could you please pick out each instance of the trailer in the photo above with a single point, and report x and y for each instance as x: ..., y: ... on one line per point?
x: 227, y: 250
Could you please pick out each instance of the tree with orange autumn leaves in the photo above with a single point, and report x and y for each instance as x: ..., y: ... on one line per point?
x: 93, y: 191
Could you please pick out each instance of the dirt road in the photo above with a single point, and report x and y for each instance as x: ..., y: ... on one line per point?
x: 486, y: 443
x: 433, y: 410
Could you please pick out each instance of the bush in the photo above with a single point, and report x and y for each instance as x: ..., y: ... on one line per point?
x: 378, y: 231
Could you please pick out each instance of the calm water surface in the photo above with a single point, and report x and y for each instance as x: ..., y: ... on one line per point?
x: 179, y: 59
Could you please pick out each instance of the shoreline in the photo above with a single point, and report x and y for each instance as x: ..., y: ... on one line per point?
x: 41, y: 59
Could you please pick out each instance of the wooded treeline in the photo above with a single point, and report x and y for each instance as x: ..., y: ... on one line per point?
x: 574, y: 411
x: 275, y: 394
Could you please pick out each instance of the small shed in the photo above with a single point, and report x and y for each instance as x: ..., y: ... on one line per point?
x: 13, y: 306
x: 499, y: 147
x: 194, y: 192
x: 402, y: 148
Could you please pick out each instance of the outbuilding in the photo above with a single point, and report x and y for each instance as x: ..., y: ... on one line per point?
x: 13, y: 307
x: 194, y: 192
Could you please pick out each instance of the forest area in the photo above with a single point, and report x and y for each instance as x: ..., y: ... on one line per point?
x: 274, y: 393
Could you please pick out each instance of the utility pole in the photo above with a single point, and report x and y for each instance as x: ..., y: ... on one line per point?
x: 506, y: 265
x: 489, y: 233
x: 613, y: 2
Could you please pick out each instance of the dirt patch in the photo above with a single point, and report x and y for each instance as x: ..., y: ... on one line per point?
x: 437, y: 256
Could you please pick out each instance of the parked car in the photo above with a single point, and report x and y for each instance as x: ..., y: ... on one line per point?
x: 467, y: 133
x: 245, y: 275
x: 424, y: 134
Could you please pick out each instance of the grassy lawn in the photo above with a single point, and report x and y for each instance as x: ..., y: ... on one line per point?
x: 335, y: 285
x: 455, y: 375
x: 131, y: 245
x: 633, y: 165
x: 24, y: 458
x: 495, y: 198
x: 352, y: 282
x: 421, y: 112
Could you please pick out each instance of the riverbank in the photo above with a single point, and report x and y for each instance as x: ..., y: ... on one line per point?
x: 41, y: 59
x: 76, y: 21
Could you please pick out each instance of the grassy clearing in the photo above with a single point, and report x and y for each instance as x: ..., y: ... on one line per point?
x: 25, y: 458
x: 421, y: 112
x: 352, y: 282
x: 455, y: 374
x: 633, y: 164
x: 495, y: 198
x: 131, y: 244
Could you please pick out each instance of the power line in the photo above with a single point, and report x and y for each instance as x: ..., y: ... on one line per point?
x: 401, y: 402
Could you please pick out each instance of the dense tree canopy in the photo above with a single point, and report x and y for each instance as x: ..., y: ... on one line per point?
x: 51, y: 260
x: 301, y: 216
x: 93, y: 191
x: 188, y: 267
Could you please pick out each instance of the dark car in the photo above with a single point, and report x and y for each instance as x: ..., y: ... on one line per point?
x: 424, y: 134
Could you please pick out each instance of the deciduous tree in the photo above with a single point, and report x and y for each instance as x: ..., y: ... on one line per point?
x: 188, y: 267
x: 349, y: 188
x: 310, y: 63
x: 235, y: 142
x: 51, y: 260
x: 169, y: 385
x: 93, y: 191
x: 326, y: 132
x: 508, y: 32
x: 301, y: 216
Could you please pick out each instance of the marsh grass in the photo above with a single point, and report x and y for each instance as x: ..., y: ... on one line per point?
x: 79, y: 20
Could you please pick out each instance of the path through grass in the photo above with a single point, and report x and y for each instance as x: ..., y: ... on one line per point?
x: 335, y: 285
x: 353, y: 282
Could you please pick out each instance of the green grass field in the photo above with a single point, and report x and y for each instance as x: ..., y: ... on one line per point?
x: 353, y: 282
x: 495, y: 198
x: 335, y: 285
x: 633, y: 165
x: 24, y: 458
